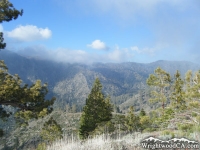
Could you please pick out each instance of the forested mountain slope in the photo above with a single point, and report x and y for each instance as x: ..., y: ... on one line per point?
x: 71, y: 83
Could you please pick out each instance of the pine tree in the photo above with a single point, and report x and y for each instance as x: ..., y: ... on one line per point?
x: 97, y: 109
x: 193, y: 85
x: 177, y: 96
x: 120, y: 122
x: 51, y: 131
x: 144, y: 120
x: 30, y: 101
x: 192, y: 92
x: 160, y: 81
x: 132, y: 121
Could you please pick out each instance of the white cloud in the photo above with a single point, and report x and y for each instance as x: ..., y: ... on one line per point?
x: 135, y: 48
x: 97, y: 44
x: 72, y: 56
x: 58, y: 55
x: 29, y: 33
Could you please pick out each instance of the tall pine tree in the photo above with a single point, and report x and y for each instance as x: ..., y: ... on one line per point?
x: 192, y: 91
x: 193, y: 85
x: 132, y: 120
x: 160, y: 81
x: 177, y: 97
x: 97, y: 109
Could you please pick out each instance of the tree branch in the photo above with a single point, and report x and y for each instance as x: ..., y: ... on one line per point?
x: 16, y: 104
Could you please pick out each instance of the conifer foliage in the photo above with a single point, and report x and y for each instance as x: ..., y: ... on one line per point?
x: 132, y: 120
x: 192, y: 85
x: 160, y: 81
x: 51, y: 131
x: 178, y: 97
x: 30, y: 101
x: 7, y: 13
x: 97, y: 110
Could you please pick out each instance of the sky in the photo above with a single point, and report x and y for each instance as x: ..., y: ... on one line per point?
x: 87, y: 31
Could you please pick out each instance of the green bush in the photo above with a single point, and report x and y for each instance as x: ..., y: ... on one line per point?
x: 194, y: 114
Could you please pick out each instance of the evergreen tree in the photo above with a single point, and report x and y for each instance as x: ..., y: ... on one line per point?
x: 145, y: 122
x: 97, y: 109
x: 177, y: 96
x: 160, y: 81
x: 192, y: 86
x: 120, y: 122
x: 51, y: 131
x: 132, y: 121
x: 30, y: 101
x: 192, y: 92
x: 189, y: 84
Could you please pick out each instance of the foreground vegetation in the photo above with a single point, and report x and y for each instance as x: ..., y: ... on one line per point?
x: 176, y: 115
x: 115, y: 141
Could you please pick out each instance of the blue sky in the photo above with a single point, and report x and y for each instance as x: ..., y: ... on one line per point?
x: 106, y: 31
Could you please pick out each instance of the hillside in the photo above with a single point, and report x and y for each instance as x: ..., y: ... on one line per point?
x: 71, y: 83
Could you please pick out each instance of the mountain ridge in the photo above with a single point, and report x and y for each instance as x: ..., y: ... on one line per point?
x: 72, y: 82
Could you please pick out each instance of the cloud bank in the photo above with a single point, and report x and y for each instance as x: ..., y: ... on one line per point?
x: 115, y: 55
x: 77, y: 56
x: 29, y: 33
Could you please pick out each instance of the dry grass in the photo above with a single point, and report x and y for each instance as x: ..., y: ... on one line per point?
x: 119, y: 141
x: 128, y: 141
